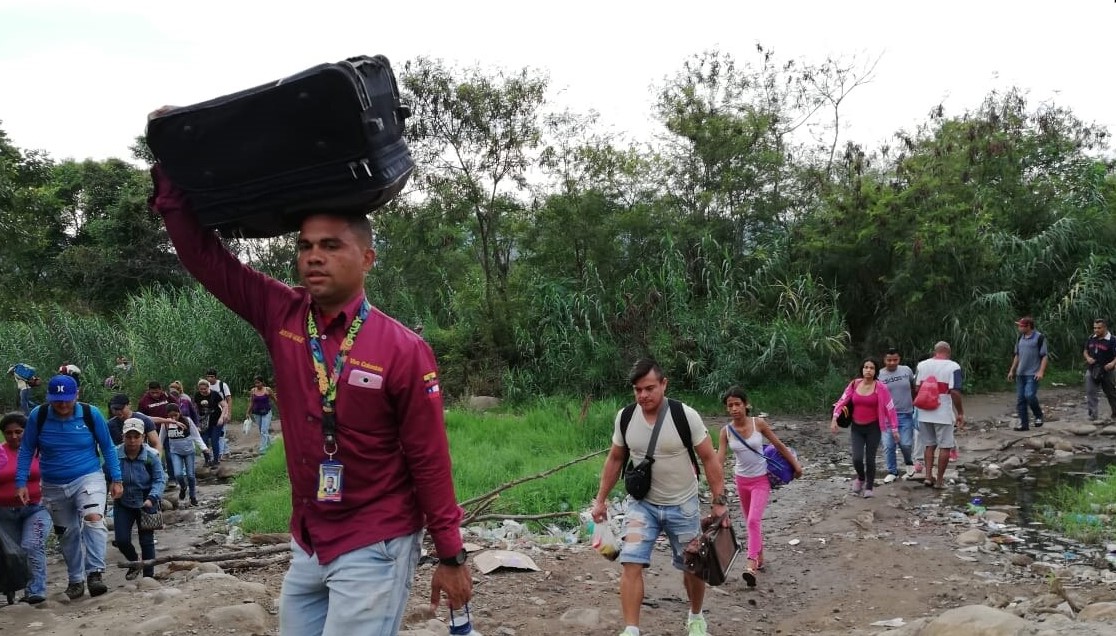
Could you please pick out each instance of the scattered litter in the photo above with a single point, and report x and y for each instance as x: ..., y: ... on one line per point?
x: 893, y: 622
x: 793, y: 542
x: 491, y: 560
x: 909, y: 543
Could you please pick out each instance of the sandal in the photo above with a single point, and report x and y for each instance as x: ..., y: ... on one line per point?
x: 939, y: 486
x: 929, y: 483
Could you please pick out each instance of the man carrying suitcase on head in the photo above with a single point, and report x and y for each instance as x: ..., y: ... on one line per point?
x: 362, y: 417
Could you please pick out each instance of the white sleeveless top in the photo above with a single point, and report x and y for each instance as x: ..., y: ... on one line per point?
x: 748, y: 463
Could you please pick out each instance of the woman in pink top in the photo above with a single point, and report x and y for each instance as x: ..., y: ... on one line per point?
x: 28, y: 525
x: 872, y: 413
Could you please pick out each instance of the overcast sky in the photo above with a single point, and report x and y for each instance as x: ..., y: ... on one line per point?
x: 77, y: 78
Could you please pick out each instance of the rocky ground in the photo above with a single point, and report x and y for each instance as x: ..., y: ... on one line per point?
x: 911, y: 562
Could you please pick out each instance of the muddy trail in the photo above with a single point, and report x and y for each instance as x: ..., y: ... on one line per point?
x: 835, y: 563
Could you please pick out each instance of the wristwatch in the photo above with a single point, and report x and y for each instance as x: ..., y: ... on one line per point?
x: 455, y: 560
x: 719, y: 500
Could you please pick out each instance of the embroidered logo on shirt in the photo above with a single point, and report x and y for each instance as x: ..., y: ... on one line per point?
x: 366, y: 380
x: 430, y: 380
x: 290, y: 335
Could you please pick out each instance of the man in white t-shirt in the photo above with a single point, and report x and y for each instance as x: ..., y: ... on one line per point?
x: 936, y: 426
x: 671, y: 505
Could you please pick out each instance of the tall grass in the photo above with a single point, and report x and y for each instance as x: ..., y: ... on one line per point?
x: 262, y: 494
x: 167, y: 335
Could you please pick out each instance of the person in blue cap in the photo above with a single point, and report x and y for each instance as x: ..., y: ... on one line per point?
x: 67, y: 438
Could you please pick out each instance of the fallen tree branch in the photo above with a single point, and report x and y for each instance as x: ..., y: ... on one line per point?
x: 269, y: 538
x: 548, y: 515
x: 481, y: 507
x: 1019, y: 439
x: 516, y: 482
x: 248, y: 564
x: 205, y: 558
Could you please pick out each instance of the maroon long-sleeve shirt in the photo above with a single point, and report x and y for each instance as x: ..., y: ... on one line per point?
x: 390, y: 425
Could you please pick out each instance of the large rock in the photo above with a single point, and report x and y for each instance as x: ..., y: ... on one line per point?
x: 1099, y: 612
x: 1060, y: 444
x: 1081, y: 428
x: 582, y: 617
x: 992, y: 471
x: 1108, y: 430
x: 1015, y: 461
x: 1034, y: 443
x: 972, y: 537
x: 157, y: 625
x: 975, y: 620
x: 247, y: 617
x: 483, y: 402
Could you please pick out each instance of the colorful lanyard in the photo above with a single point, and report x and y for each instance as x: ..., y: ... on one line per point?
x: 327, y: 382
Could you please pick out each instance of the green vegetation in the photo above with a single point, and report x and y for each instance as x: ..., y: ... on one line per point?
x: 168, y: 335
x: 1085, y: 513
x: 262, y: 494
x: 752, y: 242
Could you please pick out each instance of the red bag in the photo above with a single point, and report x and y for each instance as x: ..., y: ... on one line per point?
x: 928, y: 397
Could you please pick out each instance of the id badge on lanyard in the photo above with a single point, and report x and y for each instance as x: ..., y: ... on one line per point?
x: 330, y: 471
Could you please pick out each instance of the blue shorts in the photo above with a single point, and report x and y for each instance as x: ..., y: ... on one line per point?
x: 644, y: 523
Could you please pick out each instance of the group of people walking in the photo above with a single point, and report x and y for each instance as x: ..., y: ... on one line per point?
x: 63, y: 461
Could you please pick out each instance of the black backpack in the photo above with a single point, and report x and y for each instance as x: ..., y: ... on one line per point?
x: 86, y: 415
x: 681, y: 424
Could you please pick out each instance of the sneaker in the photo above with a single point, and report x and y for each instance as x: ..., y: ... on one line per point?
x: 890, y: 478
x: 696, y: 626
x: 133, y: 573
x: 97, y: 587
x: 193, y: 501
x: 868, y: 494
x: 910, y: 472
x: 857, y: 486
x: 32, y: 599
x: 1021, y: 428
x: 75, y: 590
x: 1038, y: 422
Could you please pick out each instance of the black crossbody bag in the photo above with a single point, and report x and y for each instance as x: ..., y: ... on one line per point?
x: 637, y: 477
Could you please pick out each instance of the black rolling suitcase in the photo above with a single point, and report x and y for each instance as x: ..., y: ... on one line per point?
x: 255, y: 163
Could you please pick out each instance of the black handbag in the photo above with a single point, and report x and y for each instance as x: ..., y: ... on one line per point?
x: 637, y: 478
x: 257, y: 162
x: 844, y: 417
x: 15, y: 569
x: 151, y: 520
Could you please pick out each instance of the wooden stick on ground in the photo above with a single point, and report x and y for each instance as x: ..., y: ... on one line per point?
x: 1019, y: 439
x: 548, y: 515
x: 206, y: 558
x: 247, y: 564
x: 516, y: 482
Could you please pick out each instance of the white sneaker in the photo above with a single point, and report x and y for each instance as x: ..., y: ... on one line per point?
x: 910, y: 472
x: 890, y: 478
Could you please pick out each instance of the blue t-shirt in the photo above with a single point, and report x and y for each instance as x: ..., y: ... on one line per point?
x: 67, y: 448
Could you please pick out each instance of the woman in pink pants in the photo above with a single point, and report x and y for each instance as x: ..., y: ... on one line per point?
x: 745, y: 437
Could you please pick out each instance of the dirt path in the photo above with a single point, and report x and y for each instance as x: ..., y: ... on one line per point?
x: 855, y: 561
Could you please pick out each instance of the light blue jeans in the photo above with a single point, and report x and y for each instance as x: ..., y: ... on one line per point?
x: 84, y: 542
x: 360, y: 592
x: 263, y: 422
x: 680, y: 523
x: 29, y: 526
x: 906, y: 441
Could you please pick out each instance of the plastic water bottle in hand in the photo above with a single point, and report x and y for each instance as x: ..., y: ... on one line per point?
x: 461, y: 622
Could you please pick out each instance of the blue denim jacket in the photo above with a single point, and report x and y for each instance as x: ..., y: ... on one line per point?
x: 144, y: 477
